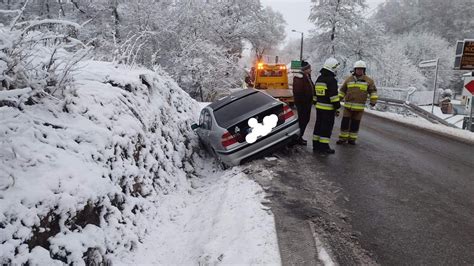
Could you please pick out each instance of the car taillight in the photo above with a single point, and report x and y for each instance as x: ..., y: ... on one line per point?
x: 228, y: 140
x: 287, y: 112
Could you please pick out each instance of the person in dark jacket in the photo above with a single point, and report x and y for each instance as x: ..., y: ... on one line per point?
x: 327, y: 103
x: 303, y: 96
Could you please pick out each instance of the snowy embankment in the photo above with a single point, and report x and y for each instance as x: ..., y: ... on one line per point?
x: 421, y: 123
x: 114, y: 167
x: 221, y: 221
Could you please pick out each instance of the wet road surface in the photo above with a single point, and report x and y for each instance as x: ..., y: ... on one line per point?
x: 400, y: 196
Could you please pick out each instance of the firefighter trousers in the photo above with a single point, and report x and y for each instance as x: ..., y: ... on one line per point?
x: 323, y: 127
x: 304, y: 113
x: 350, y: 124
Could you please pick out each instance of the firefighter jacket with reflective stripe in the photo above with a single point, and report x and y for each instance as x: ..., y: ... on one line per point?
x: 356, y: 90
x: 325, y: 91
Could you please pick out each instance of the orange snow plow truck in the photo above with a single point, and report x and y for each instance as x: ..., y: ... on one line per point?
x: 272, y: 79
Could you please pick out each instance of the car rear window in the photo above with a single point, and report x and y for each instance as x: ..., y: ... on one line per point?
x: 231, y: 111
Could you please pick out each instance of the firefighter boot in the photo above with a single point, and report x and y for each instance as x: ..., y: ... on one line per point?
x: 316, y: 146
x: 325, y: 149
x: 341, y: 141
x: 353, y: 131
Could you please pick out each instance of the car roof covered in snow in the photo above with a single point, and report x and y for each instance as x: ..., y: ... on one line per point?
x: 230, y: 98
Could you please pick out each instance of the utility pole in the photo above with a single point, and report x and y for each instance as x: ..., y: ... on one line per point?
x: 301, y: 46
x: 470, y: 115
x: 435, y: 83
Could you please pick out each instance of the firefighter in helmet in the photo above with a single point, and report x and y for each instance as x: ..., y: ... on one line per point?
x: 355, y: 91
x: 327, y: 103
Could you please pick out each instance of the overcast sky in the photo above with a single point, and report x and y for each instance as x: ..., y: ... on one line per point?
x: 296, y: 13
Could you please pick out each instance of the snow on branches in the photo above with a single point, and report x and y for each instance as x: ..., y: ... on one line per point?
x: 37, y: 54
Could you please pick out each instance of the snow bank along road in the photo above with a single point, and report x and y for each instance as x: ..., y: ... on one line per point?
x: 113, y: 174
x: 401, y: 196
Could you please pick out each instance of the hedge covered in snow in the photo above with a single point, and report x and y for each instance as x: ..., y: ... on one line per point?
x: 81, y: 176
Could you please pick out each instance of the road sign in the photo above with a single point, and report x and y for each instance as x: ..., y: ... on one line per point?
x: 428, y: 63
x: 470, y: 86
x: 295, y: 64
x: 466, y: 60
x: 431, y: 63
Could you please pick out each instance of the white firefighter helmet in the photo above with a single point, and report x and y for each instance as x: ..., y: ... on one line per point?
x: 360, y: 64
x: 331, y: 64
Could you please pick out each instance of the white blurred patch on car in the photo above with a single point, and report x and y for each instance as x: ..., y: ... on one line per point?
x: 269, y: 123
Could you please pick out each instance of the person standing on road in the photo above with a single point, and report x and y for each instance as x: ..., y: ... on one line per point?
x: 327, y: 103
x: 303, y: 96
x: 355, y: 91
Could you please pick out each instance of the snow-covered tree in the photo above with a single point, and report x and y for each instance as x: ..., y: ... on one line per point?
x: 149, y: 32
x: 291, y: 50
x: 267, y: 31
x: 204, y: 70
x: 396, y: 69
x: 451, y: 20
x: 396, y: 63
x: 215, y: 32
x: 365, y: 42
x: 419, y: 46
x: 334, y: 20
x: 428, y: 29
x: 342, y: 32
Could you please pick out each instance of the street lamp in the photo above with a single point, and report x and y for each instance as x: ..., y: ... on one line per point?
x: 301, y: 46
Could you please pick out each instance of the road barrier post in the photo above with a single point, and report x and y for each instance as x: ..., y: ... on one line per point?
x: 470, y: 115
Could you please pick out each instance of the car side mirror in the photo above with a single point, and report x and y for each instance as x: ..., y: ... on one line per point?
x: 194, y: 126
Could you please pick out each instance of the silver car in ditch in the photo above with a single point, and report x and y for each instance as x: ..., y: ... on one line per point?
x: 224, y: 125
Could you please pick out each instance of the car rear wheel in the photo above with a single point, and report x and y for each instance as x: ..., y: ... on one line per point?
x: 293, y: 141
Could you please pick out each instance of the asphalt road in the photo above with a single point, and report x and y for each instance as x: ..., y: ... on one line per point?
x: 400, y: 196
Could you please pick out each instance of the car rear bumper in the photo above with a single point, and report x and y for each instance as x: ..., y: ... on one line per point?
x: 239, y: 154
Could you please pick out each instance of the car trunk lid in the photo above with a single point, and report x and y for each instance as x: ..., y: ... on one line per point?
x: 240, y: 129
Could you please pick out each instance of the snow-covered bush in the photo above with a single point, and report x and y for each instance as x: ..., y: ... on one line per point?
x: 38, y: 56
x: 81, y: 177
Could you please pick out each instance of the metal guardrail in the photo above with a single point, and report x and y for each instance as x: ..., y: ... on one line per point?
x: 410, y: 94
x: 417, y: 110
